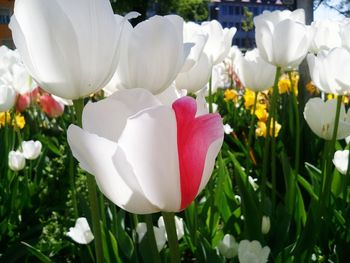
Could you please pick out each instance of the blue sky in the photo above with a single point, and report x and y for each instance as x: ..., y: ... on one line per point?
x: 324, y: 12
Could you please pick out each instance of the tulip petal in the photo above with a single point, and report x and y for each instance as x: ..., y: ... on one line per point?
x: 94, y: 154
x: 120, y: 106
x: 149, y: 145
x: 194, y: 138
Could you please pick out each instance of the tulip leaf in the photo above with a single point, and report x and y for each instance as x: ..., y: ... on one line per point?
x: 124, y: 239
x: 114, y: 245
x: 307, y: 186
x: 37, y: 253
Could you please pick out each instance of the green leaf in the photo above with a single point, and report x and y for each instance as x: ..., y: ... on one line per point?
x: 307, y: 186
x: 114, y: 245
x: 35, y: 252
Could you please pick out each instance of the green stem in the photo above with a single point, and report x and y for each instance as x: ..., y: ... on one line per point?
x: 93, y: 200
x: 210, y: 96
x: 297, y: 125
x: 268, y: 137
x: 251, y: 127
x: 152, y: 239
x: 169, y: 220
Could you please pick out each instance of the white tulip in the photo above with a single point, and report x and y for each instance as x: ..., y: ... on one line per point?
x: 252, y: 252
x: 219, y: 41
x: 341, y: 161
x: 254, y: 72
x: 329, y: 70
x: 265, y: 225
x: 31, y: 149
x: 159, y: 234
x: 69, y: 47
x: 81, y: 232
x: 16, y: 160
x: 155, y: 53
x: 326, y: 35
x: 7, y: 96
x: 282, y: 37
x: 320, y: 116
x: 228, y: 247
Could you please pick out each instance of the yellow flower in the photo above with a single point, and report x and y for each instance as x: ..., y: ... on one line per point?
x: 261, y: 129
x: 19, y: 121
x: 249, y: 97
x: 261, y: 112
x: 311, y: 88
x: 331, y: 96
x: 285, y: 85
x: 231, y: 94
x: 4, y: 117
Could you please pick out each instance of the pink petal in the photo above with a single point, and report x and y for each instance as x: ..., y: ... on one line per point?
x: 194, y: 137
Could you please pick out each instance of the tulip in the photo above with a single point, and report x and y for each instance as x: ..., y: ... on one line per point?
x: 147, y: 157
x: 320, y: 116
x: 81, y: 232
x: 159, y: 234
x: 16, y: 161
x: 341, y: 161
x: 254, y: 73
x: 228, y: 247
x: 7, y: 96
x: 31, y: 149
x: 326, y: 35
x: 219, y: 41
x: 69, y: 47
x: 154, y: 54
x: 265, y: 225
x: 23, y: 102
x: 50, y: 106
x: 198, y: 75
x: 179, y: 224
x: 329, y: 71
x: 282, y: 37
x: 345, y: 35
x: 252, y: 252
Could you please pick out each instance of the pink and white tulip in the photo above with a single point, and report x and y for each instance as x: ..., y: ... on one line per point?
x: 146, y: 156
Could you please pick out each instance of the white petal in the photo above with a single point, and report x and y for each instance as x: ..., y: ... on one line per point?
x: 107, y: 118
x: 94, y: 154
x: 149, y: 142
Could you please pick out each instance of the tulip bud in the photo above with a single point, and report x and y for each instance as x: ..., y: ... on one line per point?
x: 159, y: 233
x: 16, y: 160
x: 7, y: 97
x: 50, y: 106
x: 265, y: 225
x: 179, y: 226
x: 31, y: 149
x: 228, y: 247
x: 23, y: 102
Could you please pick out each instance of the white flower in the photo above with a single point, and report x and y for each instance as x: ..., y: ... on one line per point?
x: 228, y: 247
x: 159, y: 233
x: 7, y: 96
x: 252, y: 252
x: 179, y: 226
x: 265, y: 225
x: 253, y: 183
x: 69, y: 47
x: 16, y: 160
x: 31, y: 149
x: 329, y: 70
x: 153, y: 54
x: 341, y: 161
x: 254, y: 72
x: 326, y: 35
x: 228, y: 129
x: 81, y: 232
x: 282, y: 37
x: 320, y: 116
x: 219, y: 41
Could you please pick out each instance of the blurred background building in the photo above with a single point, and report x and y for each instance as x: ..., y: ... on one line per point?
x: 6, y: 10
x: 240, y: 14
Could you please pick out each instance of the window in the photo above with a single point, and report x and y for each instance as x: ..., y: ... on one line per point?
x: 5, y: 15
x: 223, y: 10
x: 230, y: 10
x: 237, y: 10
